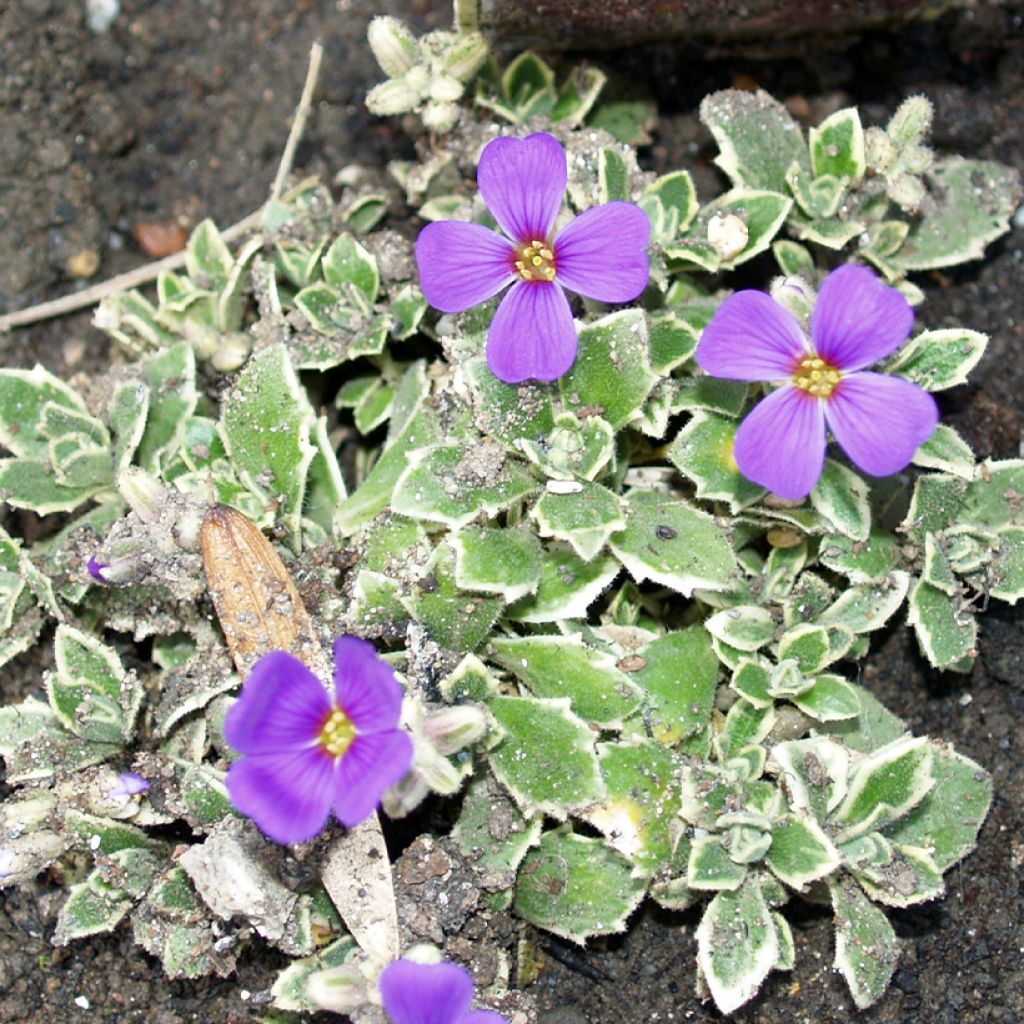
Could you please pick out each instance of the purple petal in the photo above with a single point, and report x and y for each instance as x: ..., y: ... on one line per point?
x: 523, y: 183
x: 129, y: 784
x: 781, y: 444
x: 880, y: 421
x: 462, y: 265
x: 365, y: 686
x: 281, y: 708
x: 751, y: 337
x: 96, y: 569
x: 858, y: 319
x: 532, y: 336
x: 484, y: 1017
x: 426, y: 993
x: 287, y: 794
x: 372, y: 764
x: 602, y: 254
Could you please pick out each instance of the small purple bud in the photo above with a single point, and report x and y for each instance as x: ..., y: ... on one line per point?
x: 96, y: 569
x: 129, y: 784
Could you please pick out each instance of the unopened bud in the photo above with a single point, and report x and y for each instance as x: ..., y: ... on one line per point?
x: 879, y: 151
x: 440, y: 117
x: 796, y: 295
x: 911, y: 122
x: 204, y: 339
x: 906, y: 191
x: 454, y: 728
x: 444, y: 89
x: 394, y: 97
x: 465, y: 56
x: 393, y: 45
x: 144, y: 493
x: 231, y: 354
x: 339, y: 989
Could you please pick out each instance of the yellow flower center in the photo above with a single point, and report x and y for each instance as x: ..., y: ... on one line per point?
x: 816, y: 376
x: 535, y: 262
x: 337, y: 733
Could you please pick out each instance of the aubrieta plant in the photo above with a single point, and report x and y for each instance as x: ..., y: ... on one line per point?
x: 603, y: 554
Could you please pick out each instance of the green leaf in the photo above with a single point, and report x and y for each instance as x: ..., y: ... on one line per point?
x: 456, y: 619
x: 746, y: 627
x: 509, y: 412
x: 679, y: 678
x: 546, y: 757
x: 673, y: 341
x: 556, y: 666
x: 207, y: 259
x: 801, y: 853
x: 568, y: 586
x: 677, y: 193
x: 910, y: 876
x: 266, y: 421
x: 290, y: 990
x: 497, y: 561
x: 703, y: 451
x: 865, y: 608
x: 745, y: 725
x: 585, y: 517
x: 639, y: 813
x: 813, y: 772
x: 763, y: 214
x: 170, y: 376
x: 841, y: 496
x: 757, y: 138
x: 831, y: 698
x: 347, y: 262
x: 968, y: 204
x: 711, y: 869
x: 867, y: 561
x: 25, y: 483
x: 947, y: 821
x: 737, y: 944
x: 578, y: 94
x: 526, y: 75
x: 885, y: 785
x: 866, y: 951
x: 938, y: 360
x: 992, y: 499
x: 947, y: 452
x: 674, y: 544
x: 91, y: 908
x: 612, y: 374
x: 946, y: 629
x: 1005, y: 573
x: 873, y: 728
x: 612, y: 176
x: 24, y: 395
x: 90, y: 691
x: 452, y: 484
x: 491, y: 831
x: 794, y: 259
x: 575, y: 887
x: 837, y: 146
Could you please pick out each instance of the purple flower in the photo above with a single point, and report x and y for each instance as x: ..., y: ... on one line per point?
x: 879, y: 421
x: 306, y: 753
x: 431, y: 994
x: 129, y: 784
x: 601, y: 255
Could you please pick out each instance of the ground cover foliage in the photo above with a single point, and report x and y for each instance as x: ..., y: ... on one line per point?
x: 637, y: 658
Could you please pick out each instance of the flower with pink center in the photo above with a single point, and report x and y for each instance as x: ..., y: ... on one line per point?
x: 415, y: 993
x: 878, y: 420
x: 308, y: 752
x: 601, y: 254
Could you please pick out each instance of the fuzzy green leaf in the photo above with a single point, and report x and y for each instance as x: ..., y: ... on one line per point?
x: 837, y: 146
x: 497, y: 561
x: 866, y: 951
x: 585, y: 517
x: 801, y: 853
x: 568, y: 586
x: 941, y: 359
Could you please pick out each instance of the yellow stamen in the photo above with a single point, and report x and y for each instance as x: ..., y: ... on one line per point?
x: 536, y: 261
x: 816, y: 376
x: 337, y: 733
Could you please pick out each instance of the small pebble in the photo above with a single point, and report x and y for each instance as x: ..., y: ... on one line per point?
x: 84, y: 263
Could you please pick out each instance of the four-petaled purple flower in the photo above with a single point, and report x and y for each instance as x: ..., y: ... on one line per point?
x: 442, y: 993
x: 600, y: 255
x: 306, y: 753
x: 879, y: 421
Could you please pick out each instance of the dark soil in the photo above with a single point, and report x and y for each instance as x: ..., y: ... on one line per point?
x: 180, y: 111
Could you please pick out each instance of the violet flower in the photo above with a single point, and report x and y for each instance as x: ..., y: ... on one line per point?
x: 879, y: 421
x: 129, y: 784
x: 96, y: 569
x: 307, y: 753
x: 601, y: 254
x: 415, y: 993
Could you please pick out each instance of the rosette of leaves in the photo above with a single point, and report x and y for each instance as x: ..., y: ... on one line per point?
x: 884, y: 190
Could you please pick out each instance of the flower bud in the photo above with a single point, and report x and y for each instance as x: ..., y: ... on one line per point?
x: 444, y: 89
x: 339, y: 989
x: 440, y: 117
x: 232, y: 353
x: 144, y: 493
x: 911, y: 122
x: 393, y: 45
x: 796, y: 295
x: 465, y: 56
x: 394, y: 97
x: 879, y: 151
x: 454, y: 728
x: 906, y: 191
